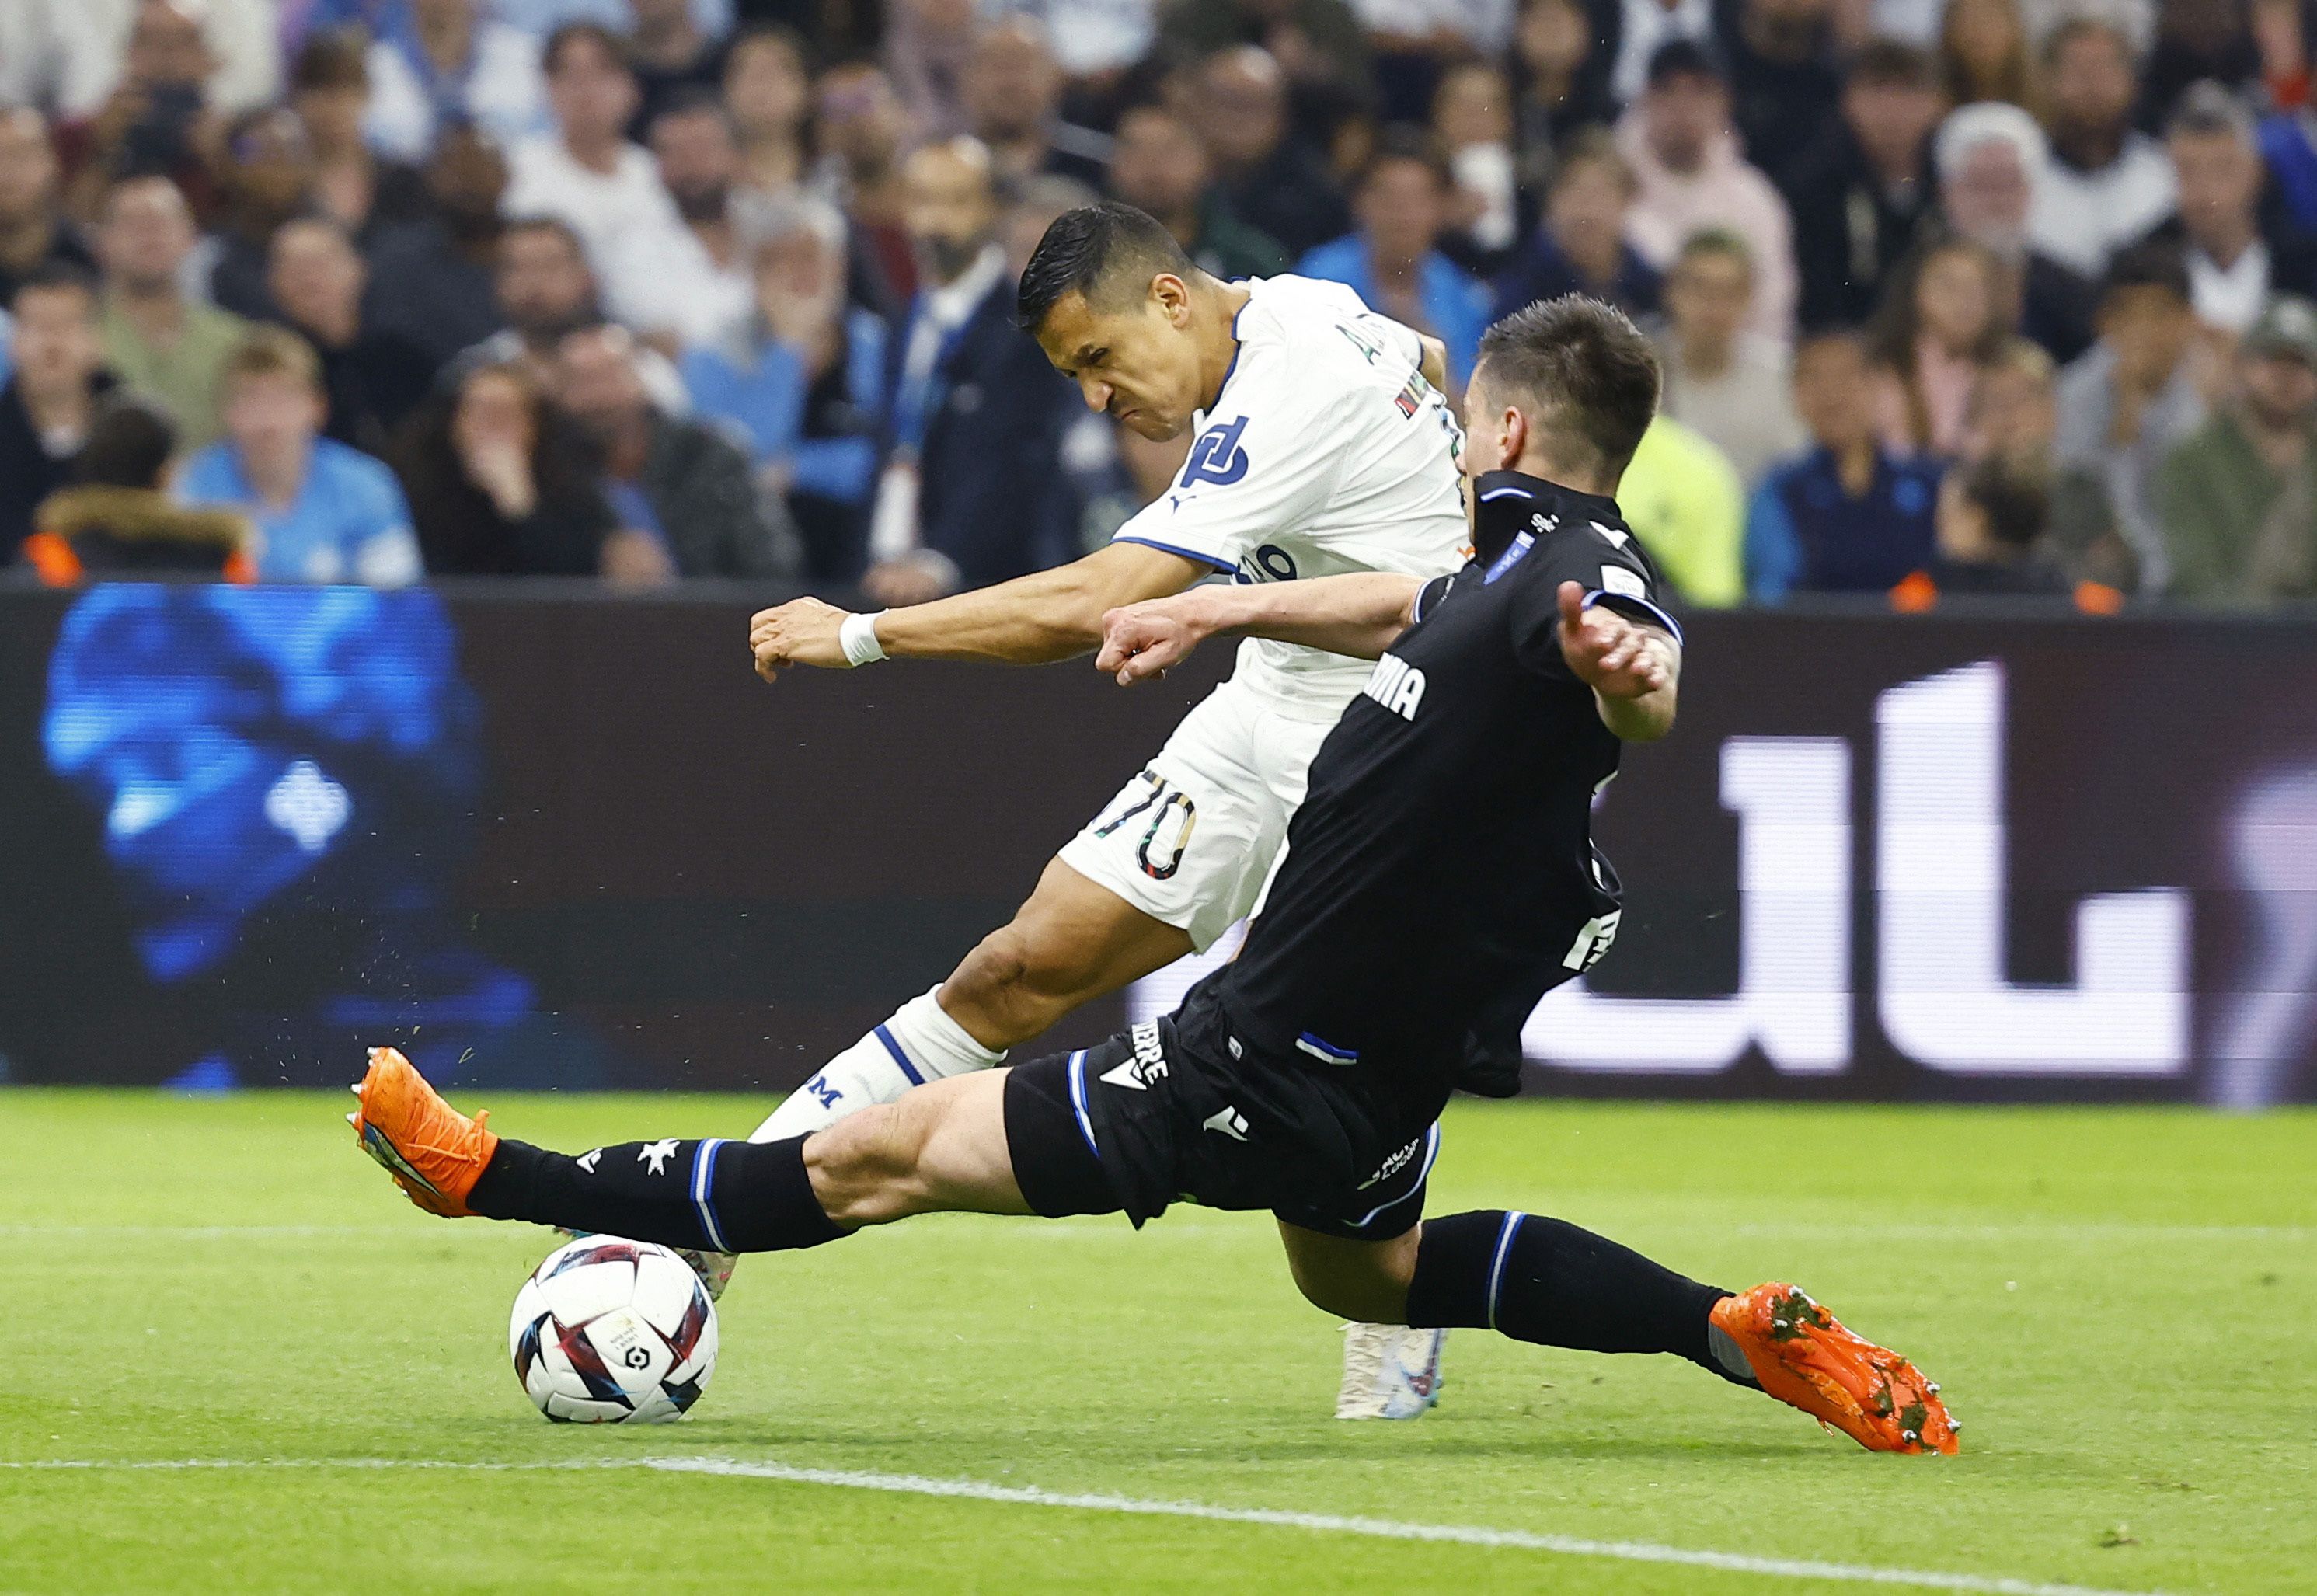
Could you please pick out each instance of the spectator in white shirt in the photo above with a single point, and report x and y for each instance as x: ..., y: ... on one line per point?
x: 2107, y: 183
x: 586, y: 171
x: 1685, y: 157
x: 85, y: 45
x: 2232, y: 270
x: 690, y: 293
x: 447, y: 62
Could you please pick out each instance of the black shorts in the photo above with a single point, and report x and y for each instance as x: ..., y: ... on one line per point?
x: 1143, y: 1119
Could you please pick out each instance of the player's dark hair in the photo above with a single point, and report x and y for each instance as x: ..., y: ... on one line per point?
x: 1099, y: 251
x: 1584, y: 373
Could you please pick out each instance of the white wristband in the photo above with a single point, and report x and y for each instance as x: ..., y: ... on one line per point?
x: 857, y: 636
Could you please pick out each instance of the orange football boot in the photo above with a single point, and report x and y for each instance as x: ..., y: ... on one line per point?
x: 1804, y: 1357
x: 434, y: 1153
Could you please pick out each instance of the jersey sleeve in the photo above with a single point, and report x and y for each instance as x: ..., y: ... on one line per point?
x: 1267, y: 461
x: 1603, y: 561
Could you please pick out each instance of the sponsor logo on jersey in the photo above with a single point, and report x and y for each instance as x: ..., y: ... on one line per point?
x: 1395, y: 1163
x: 1149, y: 1064
x: 1595, y: 938
x: 1226, y: 1121
x: 1396, y: 684
x: 1628, y: 584
x: 1217, y: 457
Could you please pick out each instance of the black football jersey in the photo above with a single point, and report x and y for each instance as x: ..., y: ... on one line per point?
x: 1441, y: 873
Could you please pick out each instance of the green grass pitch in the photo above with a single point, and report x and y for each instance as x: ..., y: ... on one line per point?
x: 2118, y: 1303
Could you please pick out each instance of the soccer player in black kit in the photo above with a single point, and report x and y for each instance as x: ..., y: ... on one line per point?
x: 1438, y: 879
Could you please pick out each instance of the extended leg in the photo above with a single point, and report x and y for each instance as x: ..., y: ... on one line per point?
x: 945, y: 1149
x: 1548, y: 1281
x: 1072, y: 942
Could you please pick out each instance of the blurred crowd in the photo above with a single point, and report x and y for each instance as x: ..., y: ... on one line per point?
x: 1953, y: 296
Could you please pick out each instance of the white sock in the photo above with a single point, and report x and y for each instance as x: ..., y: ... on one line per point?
x: 920, y: 1043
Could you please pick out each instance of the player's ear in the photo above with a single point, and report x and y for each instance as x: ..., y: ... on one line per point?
x: 1172, y: 295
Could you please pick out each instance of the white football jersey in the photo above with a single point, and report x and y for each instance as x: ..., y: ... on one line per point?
x: 1326, y: 452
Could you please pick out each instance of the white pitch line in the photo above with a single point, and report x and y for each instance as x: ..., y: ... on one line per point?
x: 909, y: 1484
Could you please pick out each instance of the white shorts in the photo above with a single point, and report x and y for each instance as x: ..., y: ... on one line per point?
x: 1193, y: 839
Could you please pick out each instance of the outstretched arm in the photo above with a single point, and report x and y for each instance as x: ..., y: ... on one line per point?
x: 1633, y: 669
x: 1032, y: 620
x: 1358, y: 614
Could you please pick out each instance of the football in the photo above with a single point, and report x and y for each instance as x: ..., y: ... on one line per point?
x: 612, y: 1331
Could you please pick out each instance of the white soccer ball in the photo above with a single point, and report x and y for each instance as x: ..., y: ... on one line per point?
x: 610, y: 1331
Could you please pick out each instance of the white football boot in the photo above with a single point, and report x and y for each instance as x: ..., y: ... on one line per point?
x: 1389, y: 1371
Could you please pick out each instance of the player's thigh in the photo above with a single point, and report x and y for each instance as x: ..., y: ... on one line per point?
x: 940, y: 1148
x: 1187, y: 841
x: 1354, y: 1279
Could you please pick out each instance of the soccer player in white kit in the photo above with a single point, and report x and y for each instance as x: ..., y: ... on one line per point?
x: 1321, y: 446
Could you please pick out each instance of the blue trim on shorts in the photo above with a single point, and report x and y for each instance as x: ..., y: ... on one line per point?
x: 1078, y: 1101
x: 1319, y: 1047
x: 1504, y: 1235
x: 899, y: 1057
x: 704, y: 1174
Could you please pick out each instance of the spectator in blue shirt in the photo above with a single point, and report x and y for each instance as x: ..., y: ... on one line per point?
x: 801, y: 385
x: 324, y: 512
x: 1394, y: 261
x: 1846, y: 517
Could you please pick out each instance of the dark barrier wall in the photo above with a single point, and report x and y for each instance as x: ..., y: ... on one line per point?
x: 541, y: 837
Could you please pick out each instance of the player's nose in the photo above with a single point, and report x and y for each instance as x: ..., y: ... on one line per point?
x: 1097, y: 393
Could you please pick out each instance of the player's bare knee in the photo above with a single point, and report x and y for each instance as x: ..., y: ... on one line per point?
x: 865, y: 1168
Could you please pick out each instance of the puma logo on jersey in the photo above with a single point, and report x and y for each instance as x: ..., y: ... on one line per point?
x: 1396, y: 684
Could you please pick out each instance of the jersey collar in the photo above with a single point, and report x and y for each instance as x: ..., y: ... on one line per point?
x: 1504, y: 501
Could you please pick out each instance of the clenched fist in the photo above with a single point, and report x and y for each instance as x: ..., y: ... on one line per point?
x: 802, y: 632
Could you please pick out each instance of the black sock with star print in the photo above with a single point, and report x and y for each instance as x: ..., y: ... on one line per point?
x: 726, y: 1196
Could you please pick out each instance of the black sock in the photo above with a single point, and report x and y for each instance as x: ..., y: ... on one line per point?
x: 749, y: 1197
x: 1544, y: 1280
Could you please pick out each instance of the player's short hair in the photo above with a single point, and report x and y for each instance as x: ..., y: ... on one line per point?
x: 1584, y: 373
x: 267, y: 350
x: 1108, y: 252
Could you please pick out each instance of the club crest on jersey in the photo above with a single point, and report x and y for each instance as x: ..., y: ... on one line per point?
x: 1217, y: 457
x: 1396, y: 684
